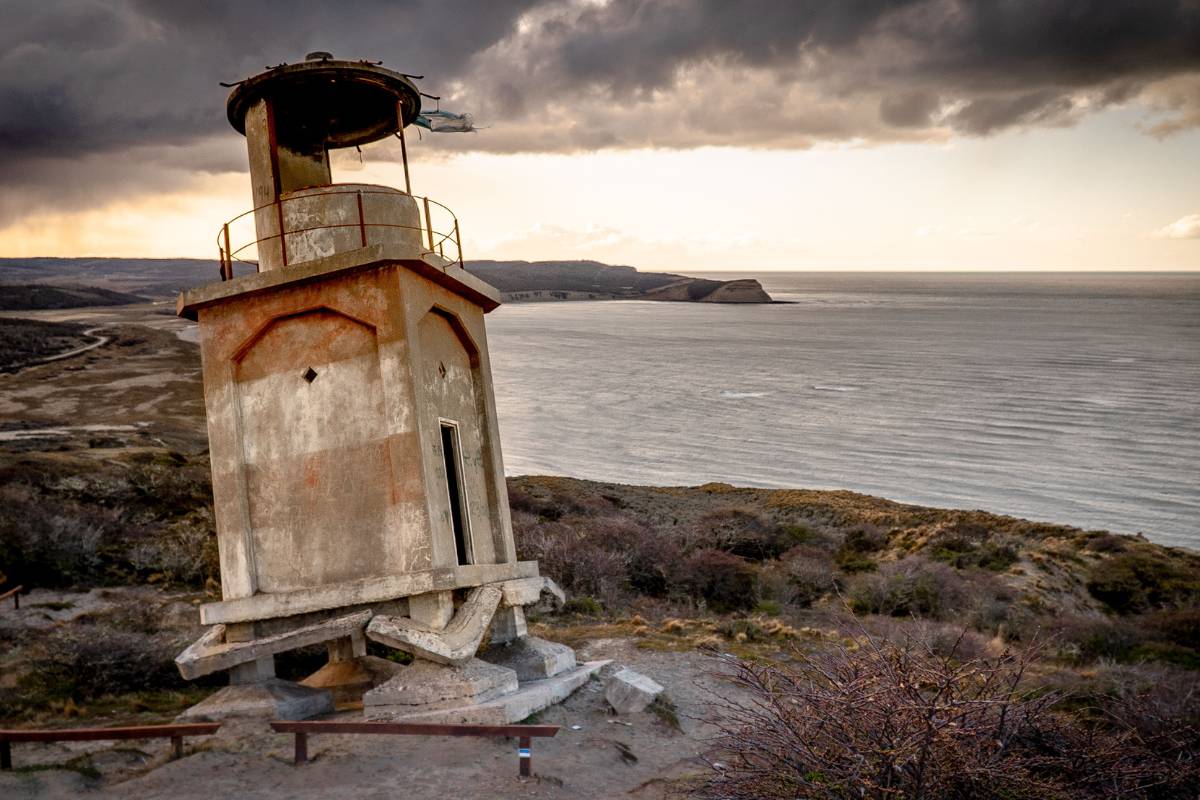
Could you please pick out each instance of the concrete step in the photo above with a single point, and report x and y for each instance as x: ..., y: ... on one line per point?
x: 529, y: 698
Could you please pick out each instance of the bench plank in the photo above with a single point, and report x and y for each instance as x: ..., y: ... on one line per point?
x: 96, y: 734
x: 523, y: 733
x: 412, y: 728
x: 173, y: 732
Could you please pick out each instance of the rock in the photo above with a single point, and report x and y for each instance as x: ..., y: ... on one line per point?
x: 610, y: 669
x: 532, y: 658
x: 629, y: 692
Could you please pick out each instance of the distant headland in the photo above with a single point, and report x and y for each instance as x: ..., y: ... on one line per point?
x: 525, y: 281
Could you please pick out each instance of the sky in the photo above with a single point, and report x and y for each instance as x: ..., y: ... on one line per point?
x: 676, y: 134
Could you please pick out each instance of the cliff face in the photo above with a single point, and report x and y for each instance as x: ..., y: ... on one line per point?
x: 525, y: 281
x: 700, y: 290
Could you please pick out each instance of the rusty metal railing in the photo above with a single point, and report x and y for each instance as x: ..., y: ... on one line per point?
x: 436, y: 238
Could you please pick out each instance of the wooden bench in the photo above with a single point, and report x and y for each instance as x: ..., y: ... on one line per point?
x: 174, y: 732
x: 15, y: 594
x: 524, y: 734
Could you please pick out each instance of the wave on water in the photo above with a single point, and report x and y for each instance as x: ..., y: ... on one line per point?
x: 728, y: 395
x: 822, y: 387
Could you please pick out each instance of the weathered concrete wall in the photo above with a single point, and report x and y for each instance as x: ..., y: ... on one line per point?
x: 314, y: 450
x: 340, y: 479
x: 443, y: 311
x: 447, y: 378
x: 327, y: 475
x: 325, y: 220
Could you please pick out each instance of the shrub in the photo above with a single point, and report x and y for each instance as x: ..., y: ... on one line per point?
x: 1141, y: 581
x: 964, y: 552
x: 746, y: 534
x: 724, y: 581
x: 50, y: 542
x: 911, y: 587
x: 1106, y: 543
x: 584, y: 606
x: 881, y: 719
x: 809, y: 579
x: 770, y: 608
x: 89, y: 661
x: 1178, y: 626
x: 1086, y: 639
x: 583, y: 554
x: 854, y: 553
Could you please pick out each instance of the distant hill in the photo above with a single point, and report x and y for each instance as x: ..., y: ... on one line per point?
x: 150, y: 277
x: 517, y: 281
x: 36, y: 297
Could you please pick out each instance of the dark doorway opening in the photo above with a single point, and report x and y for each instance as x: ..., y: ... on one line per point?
x: 458, y: 506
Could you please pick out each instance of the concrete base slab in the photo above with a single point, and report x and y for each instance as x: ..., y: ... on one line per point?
x: 270, y: 699
x: 426, y: 686
x: 532, y: 658
x: 529, y: 699
x: 349, y: 680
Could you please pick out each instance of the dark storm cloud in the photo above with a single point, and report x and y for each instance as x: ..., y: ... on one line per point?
x: 137, y: 79
x: 993, y: 63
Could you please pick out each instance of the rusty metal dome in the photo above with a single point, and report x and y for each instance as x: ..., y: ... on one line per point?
x: 322, y: 101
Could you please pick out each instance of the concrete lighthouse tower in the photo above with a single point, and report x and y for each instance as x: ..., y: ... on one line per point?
x: 358, y: 482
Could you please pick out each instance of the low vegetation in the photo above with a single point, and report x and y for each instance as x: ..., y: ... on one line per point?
x: 880, y: 718
x: 38, y: 296
x: 805, y: 588
x: 25, y: 340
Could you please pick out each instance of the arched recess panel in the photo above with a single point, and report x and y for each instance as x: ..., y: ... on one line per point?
x: 449, y: 377
x: 313, y: 435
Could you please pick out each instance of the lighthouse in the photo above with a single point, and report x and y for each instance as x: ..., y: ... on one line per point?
x: 358, y: 481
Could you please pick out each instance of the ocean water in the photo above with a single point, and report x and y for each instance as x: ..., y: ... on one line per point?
x: 1071, y: 398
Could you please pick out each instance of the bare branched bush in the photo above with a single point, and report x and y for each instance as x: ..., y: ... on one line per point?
x: 881, y: 719
x: 913, y: 586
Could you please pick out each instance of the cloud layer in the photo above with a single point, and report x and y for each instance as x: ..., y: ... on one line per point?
x: 91, y: 89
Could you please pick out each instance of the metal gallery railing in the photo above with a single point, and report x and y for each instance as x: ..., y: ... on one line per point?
x: 438, y: 236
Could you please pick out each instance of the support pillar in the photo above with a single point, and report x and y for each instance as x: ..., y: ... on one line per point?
x: 433, y: 610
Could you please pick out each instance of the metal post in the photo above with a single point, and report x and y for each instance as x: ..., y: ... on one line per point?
x: 525, y: 754
x: 177, y: 746
x: 5, y: 754
x: 403, y: 147
x: 458, y: 243
x: 227, y: 264
x: 429, y: 224
x: 282, y: 235
x: 17, y: 599
x: 301, y: 747
x: 362, y: 222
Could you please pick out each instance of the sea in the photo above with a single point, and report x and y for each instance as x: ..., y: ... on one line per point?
x: 1062, y: 397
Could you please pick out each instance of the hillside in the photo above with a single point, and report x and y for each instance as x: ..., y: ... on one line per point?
x: 518, y: 281
x: 39, y: 297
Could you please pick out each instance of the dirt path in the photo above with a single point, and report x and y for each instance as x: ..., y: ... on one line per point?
x: 595, y: 755
x: 100, y: 341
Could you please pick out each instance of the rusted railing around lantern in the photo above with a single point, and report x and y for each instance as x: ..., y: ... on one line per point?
x: 436, y: 239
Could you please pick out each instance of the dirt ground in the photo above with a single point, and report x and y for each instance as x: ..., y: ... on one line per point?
x: 141, y: 388
x: 595, y: 754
